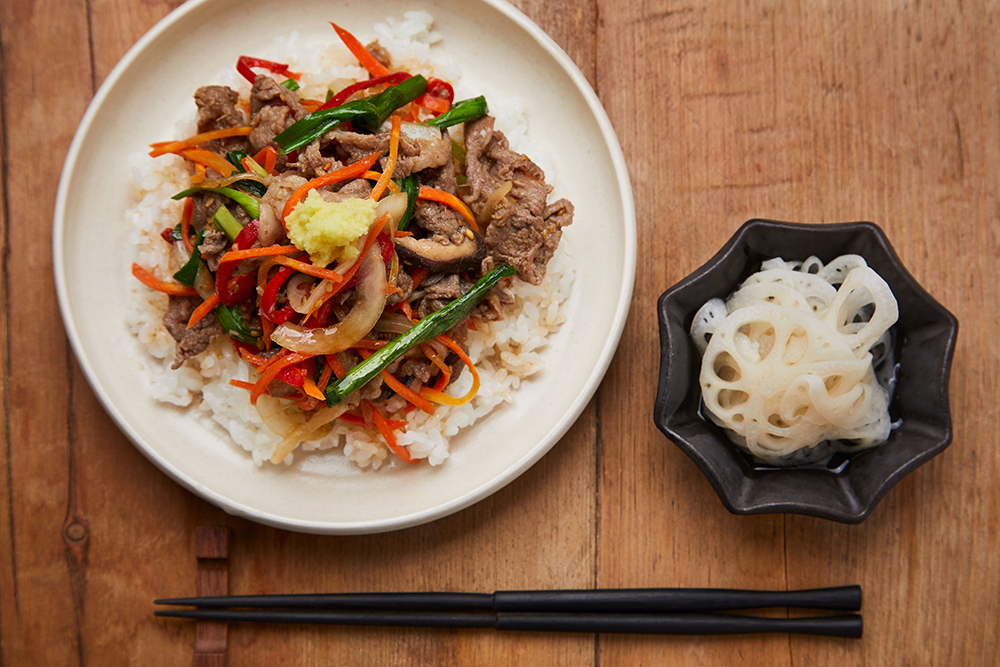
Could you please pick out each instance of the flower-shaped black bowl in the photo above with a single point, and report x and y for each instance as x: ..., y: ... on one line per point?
x: 848, y: 491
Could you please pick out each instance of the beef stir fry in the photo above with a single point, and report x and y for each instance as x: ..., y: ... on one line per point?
x: 346, y: 245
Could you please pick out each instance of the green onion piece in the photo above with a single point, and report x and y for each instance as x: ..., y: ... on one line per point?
x: 368, y: 113
x: 411, y: 187
x: 248, y: 203
x: 235, y: 158
x: 187, y: 273
x: 231, y: 319
x: 430, y: 327
x: 329, y: 95
x: 290, y: 84
x: 225, y: 221
x: 461, y: 112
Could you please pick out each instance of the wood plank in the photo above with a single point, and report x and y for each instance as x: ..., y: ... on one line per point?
x: 43, y: 99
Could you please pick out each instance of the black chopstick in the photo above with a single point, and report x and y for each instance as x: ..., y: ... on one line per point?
x: 846, y: 625
x: 623, y: 610
x: 619, y: 600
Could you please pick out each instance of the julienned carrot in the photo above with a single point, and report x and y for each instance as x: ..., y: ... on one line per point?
x: 390, y: 437
x: 164, y: 147
x: 374, y: 176
x: 448, y: 199
x: 204, y: 309
x: 394, y: 424
x: 208, y: 159
x: 152, y: 282
x: 440, y: 396
x: 407, y: 393
x: 350, y: 171
x: 271, y: 372
x: 310, y: 388
x: 325, y: 375
x: 309, y: 269
x: 186, y: 223
x: 367, y: 60
x: 254, y: 360
x: 249, y: 253
x: 390, y: 164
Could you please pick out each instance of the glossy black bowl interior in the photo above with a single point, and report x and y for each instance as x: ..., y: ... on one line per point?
x: 849, y: 490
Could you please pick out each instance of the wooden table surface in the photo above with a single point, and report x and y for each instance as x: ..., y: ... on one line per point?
x: 806, y: 111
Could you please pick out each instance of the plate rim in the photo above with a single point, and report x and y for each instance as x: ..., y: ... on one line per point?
x: 441, y: 510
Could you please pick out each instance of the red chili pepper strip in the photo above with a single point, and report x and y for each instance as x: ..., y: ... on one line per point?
x: 270, y: 296
x: 229, y: 294
x: 367, y: 60
x: 244, y: 64
x: 341, y: 97
x: 350, y: 171
x: 434, y: 104
x: 271, y: 372
x: 266, y: 157
x: 296, y: 375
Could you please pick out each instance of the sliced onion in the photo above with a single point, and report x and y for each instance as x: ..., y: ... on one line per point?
x: 342, y: 336
x: 492, y: 201
x: 395, y: 323
x: 299, y: 290
x: 226, y: 180
x: 306, y: 430
x: 395, y: 206
x: 418, y: 131
x: 281, y: 420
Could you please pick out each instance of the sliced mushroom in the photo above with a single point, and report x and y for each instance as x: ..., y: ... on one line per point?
x: 440, y: 257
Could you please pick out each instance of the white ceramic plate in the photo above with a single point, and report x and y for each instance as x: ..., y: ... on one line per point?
x: 321, y: 493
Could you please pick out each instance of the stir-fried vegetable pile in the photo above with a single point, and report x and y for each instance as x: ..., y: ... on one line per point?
x: 316, y: 280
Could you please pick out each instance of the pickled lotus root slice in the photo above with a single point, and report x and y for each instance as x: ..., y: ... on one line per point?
x: 818, y: 292
x: 863, y: 310
x: 779, y: 380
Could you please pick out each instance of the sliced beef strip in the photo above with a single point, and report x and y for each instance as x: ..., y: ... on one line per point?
x: 521, y: 230
x: 438, y: 291
x: 312, y: 163
x: 268, y: 92
x: 442, y: 223
x: 217, y: 108
x: 414, y: 154
x: 195, y: 340
x: 380, y: 53
x: 272, y: 109
x: 404, y: 288
x: 213, y: 246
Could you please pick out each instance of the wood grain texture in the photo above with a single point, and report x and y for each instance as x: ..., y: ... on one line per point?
x: 817, y: 112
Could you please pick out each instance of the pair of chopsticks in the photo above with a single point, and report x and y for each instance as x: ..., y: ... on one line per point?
x: 673, y: 611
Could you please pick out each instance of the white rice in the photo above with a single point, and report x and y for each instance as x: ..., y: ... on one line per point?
x: 504, y: 352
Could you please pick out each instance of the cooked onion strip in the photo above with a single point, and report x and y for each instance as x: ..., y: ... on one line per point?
x: 342, y: 336
x: 491, y: 203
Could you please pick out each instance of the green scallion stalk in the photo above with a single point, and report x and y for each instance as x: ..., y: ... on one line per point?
x: 231, y: 319
x: 187, y: 273
x: 461, y: 112
x: 226, y: 222
x: 368, y: 113
x: 411, y: 187
x: 246, y: 202
x: 430, y: 327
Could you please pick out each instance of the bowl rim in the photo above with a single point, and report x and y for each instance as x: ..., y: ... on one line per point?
x: 675, y: 372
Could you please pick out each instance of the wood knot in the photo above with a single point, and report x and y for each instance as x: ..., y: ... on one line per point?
x: 75, y: 532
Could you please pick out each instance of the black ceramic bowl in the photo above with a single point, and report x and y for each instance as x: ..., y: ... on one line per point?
x: 848, y: 491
